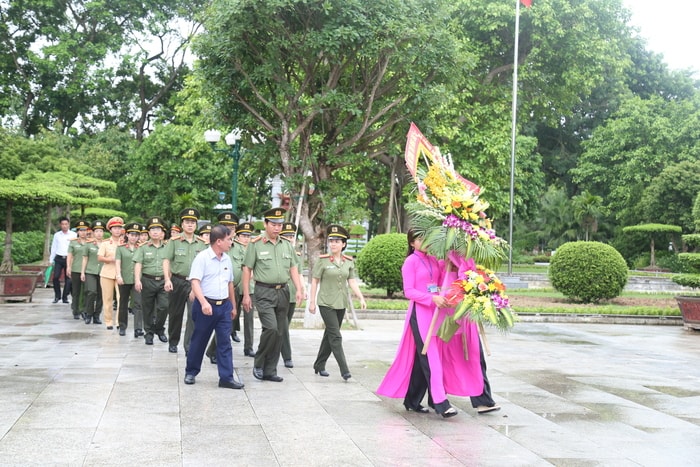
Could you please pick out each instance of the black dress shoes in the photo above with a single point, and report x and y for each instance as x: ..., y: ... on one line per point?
x: 55, y: 300
x: 231, y: 385
x: 419, y: 409
x: 162, y: 337
x: 189, y: 379
x: 236, y: 338
x: 346, y: 376
x: 122, y: 331
x: 249, y: 353
x: 109, y: 328
x: 275, y: 378
x: 96, y: 320
x: 76, y: 316
x: 212, y: 360
x: 65, y: 301
x: 258, y: 373
x: 149, y: 339
x: 288, y: 364
x: 138, y: 332
x: 322, y: 373
x: 172, y: 348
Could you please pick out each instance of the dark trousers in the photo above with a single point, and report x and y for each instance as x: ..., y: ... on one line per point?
x: 485, y: 397
x: 76, y: 290
x: 286, y: 348
x: 272, y: 305
x: 332, y: 340
x: 220, y: 323
x: 248, y: 324
x: 211, y: 350
x: 93, y: 295
x: 420, y: 374
x: 126, y: 292
x: 176, y: 308
x: 59, y: 266
x: 154, y: 300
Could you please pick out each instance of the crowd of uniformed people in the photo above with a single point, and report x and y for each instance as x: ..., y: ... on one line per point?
x: 157, y: 274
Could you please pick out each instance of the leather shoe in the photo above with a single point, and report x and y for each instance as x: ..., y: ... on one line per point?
x: 109, y: 328
x: 76, y: 316
x: 189, y: 379
x: 231, y: 385
x: 236, y: 338
x: 96, y: 320
x: 322, y: 372
x: 451, y: 412
x: 149, y: 339
x: 66, y: 301
x: 288, y: 364
x: 163, y: 337
x: 419, y: 409
x: 88, y: 318
x: 346, y: 376
x: 55, y: 300
x: 249, y: 353
x: 212, y: 360
x: 138, y: 332
x: 275, y: 378
x: 122, y: 331
x: 258, y: 373
x: 172, y: 348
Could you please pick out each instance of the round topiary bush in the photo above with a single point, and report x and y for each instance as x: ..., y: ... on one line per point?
x: 379, y: 262
x: 588, y: 271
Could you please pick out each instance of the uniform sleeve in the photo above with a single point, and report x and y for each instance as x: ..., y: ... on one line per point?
x: 102, y: 250
x: 249, y: 260
x: 318, y: 269
x: 413, y: 287
x: 138, y: 255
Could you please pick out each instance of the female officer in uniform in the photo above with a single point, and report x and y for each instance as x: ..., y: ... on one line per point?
x: 331, y: 276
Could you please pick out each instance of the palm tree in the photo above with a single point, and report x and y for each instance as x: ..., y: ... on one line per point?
x: 587, y: 210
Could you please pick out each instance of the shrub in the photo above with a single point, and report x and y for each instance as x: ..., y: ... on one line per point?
x: 542, y: 259
x: 379, y: 263
x: 27, y: 247
x: 588, y: 271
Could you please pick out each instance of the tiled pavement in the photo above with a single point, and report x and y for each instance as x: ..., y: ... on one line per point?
x: 572, y: 395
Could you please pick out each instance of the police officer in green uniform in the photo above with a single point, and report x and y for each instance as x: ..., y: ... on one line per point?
x: 124, y: 263
x: 90, y: 274
x: 289, y: 231
x: 228, y: 219
x: 77, y: 248
x: 179, y: 254
x: 150, y: 281
x: 331, y: 276
x: 271, y: 260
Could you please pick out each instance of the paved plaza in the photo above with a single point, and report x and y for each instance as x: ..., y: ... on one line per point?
x: 571, y: 395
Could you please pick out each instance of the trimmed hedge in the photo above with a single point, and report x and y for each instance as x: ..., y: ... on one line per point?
x: 588, y: 271
x: 379, y: 262
x: 27, y: 247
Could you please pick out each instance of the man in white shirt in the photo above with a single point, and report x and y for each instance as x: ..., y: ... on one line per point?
x: 59, y: 254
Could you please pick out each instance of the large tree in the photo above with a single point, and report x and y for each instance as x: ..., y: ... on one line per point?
x: 329, y: 84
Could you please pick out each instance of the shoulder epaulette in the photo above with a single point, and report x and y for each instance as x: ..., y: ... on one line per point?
x: 176, y: 237
x: 349, y: 258
x: 284, y: 238
x: 324, y: 256
x: 256, y: 239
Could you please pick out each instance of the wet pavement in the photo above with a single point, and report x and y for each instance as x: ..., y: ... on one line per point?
x: 571, y: 395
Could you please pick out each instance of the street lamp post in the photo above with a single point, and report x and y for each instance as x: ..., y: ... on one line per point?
x: 233, y: 140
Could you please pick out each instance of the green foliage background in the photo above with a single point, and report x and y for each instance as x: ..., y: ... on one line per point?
x: 379, y: 263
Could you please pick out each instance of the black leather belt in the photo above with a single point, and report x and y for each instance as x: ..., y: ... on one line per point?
x: 184, y: 278
x: 270, y: 286
x: 60, y: 256
x: 216, y: 302
x: 155, y: 278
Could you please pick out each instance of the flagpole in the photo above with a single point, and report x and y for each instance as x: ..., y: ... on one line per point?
x: 512, y: 136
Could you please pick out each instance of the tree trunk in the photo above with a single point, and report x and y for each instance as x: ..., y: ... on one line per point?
x: 652, y: 259
x: 47, y: 237
x: 7, y: 265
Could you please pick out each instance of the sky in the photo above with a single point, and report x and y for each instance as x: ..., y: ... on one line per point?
x: 671, y: 28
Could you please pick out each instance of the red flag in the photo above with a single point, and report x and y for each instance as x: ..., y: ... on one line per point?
x: 527, y: 3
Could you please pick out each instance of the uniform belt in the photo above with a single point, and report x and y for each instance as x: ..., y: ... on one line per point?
x: 155, y: 278
x: 270, y: 286
x: 216, y: 302
x: 61, y: 256
x: 184, y: 278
